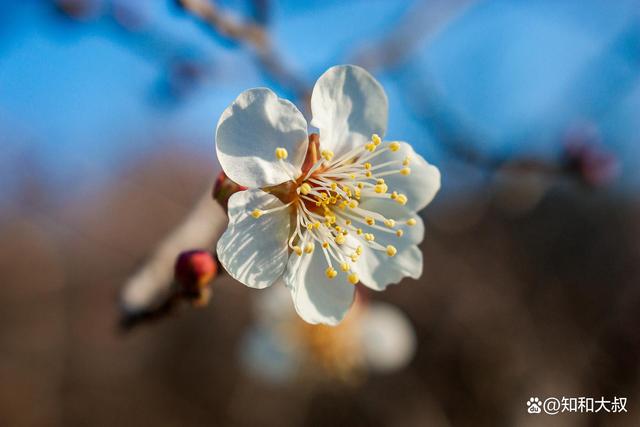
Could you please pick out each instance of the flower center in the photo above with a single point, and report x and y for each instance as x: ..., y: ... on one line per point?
x: 326, y: 201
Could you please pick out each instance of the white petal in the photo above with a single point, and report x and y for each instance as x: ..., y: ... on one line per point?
x: 318, y: 299
x: 254, y: 250
x: 348, y: 106
x: 421, y: 185
x: 250, y: 130
x: 388, y: 339
x: 375, y: 268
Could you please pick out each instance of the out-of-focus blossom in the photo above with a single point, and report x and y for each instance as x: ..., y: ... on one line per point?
x: 374, y: 337
x: 224, y: 188
x: 586, y: 157
x: 194, y: 271
x: 80, y: 9
x: 346, y: 201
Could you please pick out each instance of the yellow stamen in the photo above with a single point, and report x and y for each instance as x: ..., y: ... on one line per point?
x: 359, y: 250
x: 401, y: 199
x: 406, y: 161
x: 309, y: 247
x: 297, y: 250
x: 376, y: 139
x: 257, y: 213
x: 331, y: 272
x: 281, y: 153
x: 369, y: 237
x: 340, y: 239
x: 305, y: 188
x: 345, y: 267
x: 405, y: 171
x: 394, y: 146
x: 353, y: 278
x: 391, y: 250
x: 367, y: 166
x: 370, y: 220
x: 389, y: 223
x: 381, y: 188
x: 399, y: 233
x: 327, y: 155
x: 411, y: 222
x: 353, y: 204
x: 325, y: 245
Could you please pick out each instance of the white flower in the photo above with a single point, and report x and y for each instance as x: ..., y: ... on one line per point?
x: 374, y: 337
x: 321, y: 214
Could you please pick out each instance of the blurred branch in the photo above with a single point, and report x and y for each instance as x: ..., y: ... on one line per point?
x: 252, y: 34
x: 149, y: 290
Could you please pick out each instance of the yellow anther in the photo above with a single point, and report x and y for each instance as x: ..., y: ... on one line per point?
x: 376, y: 139
x: 360, y: 185
x: 411, y: 222
x: 354, y: 258
x: 327, y: 155
x: 345, y: 267
x: 402, y: 199
x: 389, y: 223
x: 394, y: 195
x: 309, y: 226
x: 340, y: 239
x: 380, y: 181
x: 353, y: 278
x: 324, y: 196
x: 369, y: 237
x: 281, y: 153
x: 325, y: 245
x: 394, y: 146
x: 399, y: 233
x: 331, y: 272
x: 353, y: 204
x: 359, y: 231
x: 381, y: 188
x: 406, y: 161
x: 347, y: 221
x: 370, y: 147
x: 359, y: 250
x: 370, y: 220
x: 297, y: 250
x: 309, y: 247
x: 405, y: 171
x: 316, y: 225
x: 305, y: 188
x: 352, y: 176
x: 358, y: 193
x: 368, y: 174
x: 391, y: 250
x: 333, y: 200
x: 367, y: 166
x: 331, y: 219
x: 257, y: 213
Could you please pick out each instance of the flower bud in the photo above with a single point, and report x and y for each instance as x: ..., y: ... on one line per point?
x: 225, y: 188
x: 586, y: 157
x: 194, y: 270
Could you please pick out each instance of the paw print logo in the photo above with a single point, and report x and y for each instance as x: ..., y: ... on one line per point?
x: 533, y: 405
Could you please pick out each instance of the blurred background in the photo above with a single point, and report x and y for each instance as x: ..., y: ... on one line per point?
x: 532, y: 254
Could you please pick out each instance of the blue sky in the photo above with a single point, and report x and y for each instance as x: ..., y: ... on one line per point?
x: 85, y: 96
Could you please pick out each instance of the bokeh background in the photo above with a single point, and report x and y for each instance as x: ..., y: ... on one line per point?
x: 531, y: 283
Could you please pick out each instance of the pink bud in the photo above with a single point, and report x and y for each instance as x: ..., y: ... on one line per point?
x: 225, y: 188
x: 194, y: 270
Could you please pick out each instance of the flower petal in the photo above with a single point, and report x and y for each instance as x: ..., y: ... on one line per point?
x: 254, y: 250
x: 375, y: 268
x: 316, y: 298
x: 250, y: 130
x: 388, y: 338
x: 421, y: 185
x: 348, y: 106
